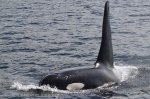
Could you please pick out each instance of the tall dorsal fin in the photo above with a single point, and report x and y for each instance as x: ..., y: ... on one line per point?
x: 105, y: 56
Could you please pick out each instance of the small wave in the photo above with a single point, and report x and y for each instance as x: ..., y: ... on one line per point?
x: 45, y: 88
x: 21, y: 87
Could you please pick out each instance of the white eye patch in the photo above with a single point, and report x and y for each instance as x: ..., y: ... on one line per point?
x: 75, y: 86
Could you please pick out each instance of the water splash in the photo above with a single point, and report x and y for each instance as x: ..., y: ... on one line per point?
x: 45, y: 88
x: 125, y: 72
x: 22, y: 87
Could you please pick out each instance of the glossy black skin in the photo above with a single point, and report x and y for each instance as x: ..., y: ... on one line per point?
x: 90, y: 77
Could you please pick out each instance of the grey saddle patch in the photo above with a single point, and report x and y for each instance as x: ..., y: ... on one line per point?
x: 75, y: 86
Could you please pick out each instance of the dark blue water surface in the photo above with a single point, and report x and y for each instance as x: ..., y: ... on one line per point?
x: 42, y: 36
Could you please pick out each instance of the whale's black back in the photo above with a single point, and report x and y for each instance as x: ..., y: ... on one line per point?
x: 89, y: 77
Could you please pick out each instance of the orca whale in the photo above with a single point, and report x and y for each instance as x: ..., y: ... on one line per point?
x: 89, y: 77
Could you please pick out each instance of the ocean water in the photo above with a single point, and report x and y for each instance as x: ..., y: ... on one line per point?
x: 42, y: 36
